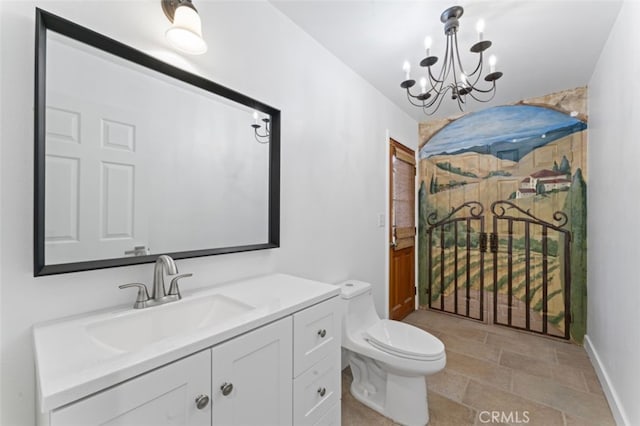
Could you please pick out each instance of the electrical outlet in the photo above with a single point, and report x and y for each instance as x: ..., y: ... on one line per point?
x: 381, y: 221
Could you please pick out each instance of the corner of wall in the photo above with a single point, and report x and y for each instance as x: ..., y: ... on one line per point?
x: 609, y: 391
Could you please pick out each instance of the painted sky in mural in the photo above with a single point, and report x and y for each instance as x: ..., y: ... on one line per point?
x: 497, y: 131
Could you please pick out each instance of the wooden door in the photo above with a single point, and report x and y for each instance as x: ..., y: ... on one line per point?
x: 252, y: 377
x: 164, y: 397
x: 402, y: 290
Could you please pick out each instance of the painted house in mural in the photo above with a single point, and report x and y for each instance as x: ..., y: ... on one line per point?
x: 502, y: 216
x: 543, y: 181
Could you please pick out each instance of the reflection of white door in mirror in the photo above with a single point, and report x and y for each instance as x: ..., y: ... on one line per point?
x: 94, y: 180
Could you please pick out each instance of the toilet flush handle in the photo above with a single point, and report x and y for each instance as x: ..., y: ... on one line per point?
x: 322, y: 332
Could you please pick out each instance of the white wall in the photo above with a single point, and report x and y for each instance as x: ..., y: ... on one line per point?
x: 334, y: 130
x: 613, y: 205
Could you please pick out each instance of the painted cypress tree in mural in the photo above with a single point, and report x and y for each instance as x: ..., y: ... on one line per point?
x: 576, y: 209
x: 422, y: 243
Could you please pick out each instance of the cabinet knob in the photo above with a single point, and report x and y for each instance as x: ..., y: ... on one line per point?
x: 202, y: 401
x: 322, y: 391
x: 226, y: 388
x: 322, y: 332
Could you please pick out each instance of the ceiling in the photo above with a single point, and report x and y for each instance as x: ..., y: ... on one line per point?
x: 542, y: 46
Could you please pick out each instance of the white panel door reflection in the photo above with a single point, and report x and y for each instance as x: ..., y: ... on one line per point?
x: 95, y: 181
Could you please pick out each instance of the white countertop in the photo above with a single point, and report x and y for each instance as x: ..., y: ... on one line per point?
x: 71, y: 364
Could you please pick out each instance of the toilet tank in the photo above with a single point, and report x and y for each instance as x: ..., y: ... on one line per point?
x: 359, y: 312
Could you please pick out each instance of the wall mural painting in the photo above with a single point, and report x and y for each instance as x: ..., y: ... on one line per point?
x: 502, y: 215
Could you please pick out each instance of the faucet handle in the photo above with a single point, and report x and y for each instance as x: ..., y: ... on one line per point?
x: 143, y: 294
x: 174, y: 290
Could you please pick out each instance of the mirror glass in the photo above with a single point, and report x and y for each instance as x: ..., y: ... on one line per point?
x: 137, y: 162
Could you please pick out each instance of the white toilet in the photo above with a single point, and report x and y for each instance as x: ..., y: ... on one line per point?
x: 389, y: 359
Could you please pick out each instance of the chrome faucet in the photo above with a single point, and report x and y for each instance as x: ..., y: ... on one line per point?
x: 159, y: 295
x: 162, y: 262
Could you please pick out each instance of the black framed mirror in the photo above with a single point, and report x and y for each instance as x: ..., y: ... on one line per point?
x: 135, y: 158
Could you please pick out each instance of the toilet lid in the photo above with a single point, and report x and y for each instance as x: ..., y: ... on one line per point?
x: 404, y: 340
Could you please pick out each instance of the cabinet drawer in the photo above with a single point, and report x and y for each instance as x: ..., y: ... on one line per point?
x: 333, y: 417
x: 316, y: 391
x: 316, y: 334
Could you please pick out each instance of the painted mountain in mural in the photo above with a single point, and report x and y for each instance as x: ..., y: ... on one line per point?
x: 506, y: 132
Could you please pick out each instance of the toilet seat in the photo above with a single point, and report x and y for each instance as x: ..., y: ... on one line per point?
x: 404, y: 340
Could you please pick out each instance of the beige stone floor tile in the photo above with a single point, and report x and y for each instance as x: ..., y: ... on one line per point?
x: 448, y: 384
x: 569, y: 376
x: 570, y: 401
x: 355, y: 413
x: 593, y: 383
x: 525, y: 363
x: 462, y: 332
x: 564, y: 375
x: 523, y: 345
x: 577, y: 421
x: 483, y: 371
x: 469, y: 347
x: 577, y: 360
x: 444, y: 412
x: 483, y: 397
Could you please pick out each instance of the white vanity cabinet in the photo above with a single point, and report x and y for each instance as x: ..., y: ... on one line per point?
x: 286, y: 372
x: 251, y: 381
x: 163, y: 397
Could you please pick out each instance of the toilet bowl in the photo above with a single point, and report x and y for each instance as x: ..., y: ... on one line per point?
x: 389, y: 359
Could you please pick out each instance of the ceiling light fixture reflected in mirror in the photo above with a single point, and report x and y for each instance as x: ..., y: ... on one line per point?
x: 185, y: 33
x: 261, y: 137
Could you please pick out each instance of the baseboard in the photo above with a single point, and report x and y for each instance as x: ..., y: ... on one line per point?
x: 609, y: 391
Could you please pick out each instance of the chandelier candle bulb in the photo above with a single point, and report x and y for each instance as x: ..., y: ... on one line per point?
x: 492, y: 63
x: 255, y: 117
x: 427, y: 44
x: 480, y: 29
x: 423, y: 85
x: 406, y: 67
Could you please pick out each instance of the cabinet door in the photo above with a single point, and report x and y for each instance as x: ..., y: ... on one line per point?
x: 251, y: 376
x: 166, y: 396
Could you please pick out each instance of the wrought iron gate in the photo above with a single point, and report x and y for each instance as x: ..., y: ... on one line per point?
x: 453, y: 236
x: 530, y: 267
x: 536, y: 262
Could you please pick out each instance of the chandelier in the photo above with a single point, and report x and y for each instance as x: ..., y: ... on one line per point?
x: 452, y: 77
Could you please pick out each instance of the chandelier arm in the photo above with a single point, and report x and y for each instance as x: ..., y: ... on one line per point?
x: 439, y: 99
x: 492, y: 91
x: 266, y: 135
x: 460, y: 101
x: 410, y: 96
x: 478, y: 69
x: 262, y: 141
x: 433, y: 79
x: 493, y: 88
x: 457, y: 55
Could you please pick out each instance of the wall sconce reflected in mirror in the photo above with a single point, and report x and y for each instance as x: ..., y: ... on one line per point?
x: 185, y: 33
x: 261, y: 137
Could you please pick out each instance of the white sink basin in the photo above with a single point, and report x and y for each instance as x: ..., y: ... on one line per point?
x: 143, y: 327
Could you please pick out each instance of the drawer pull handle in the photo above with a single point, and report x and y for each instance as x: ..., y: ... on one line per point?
x: 202, y: 401
x: 322, y: 391
x: 322, y: 332
x: 226, y: 388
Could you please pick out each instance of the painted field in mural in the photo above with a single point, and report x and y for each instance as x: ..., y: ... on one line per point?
x: 503, y: 206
